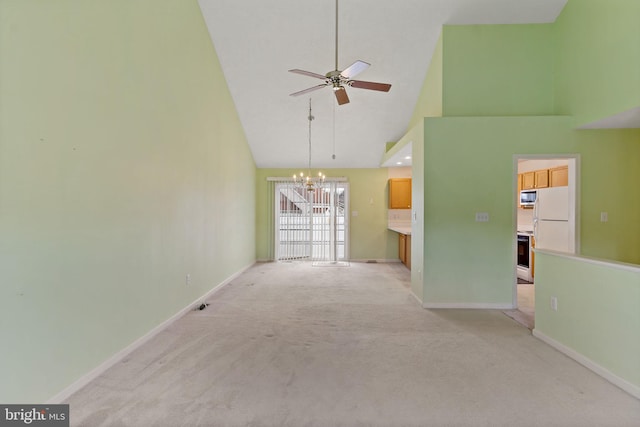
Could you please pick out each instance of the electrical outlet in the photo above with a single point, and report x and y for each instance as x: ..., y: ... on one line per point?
x: 604, y: 217
x: 188, y: 280
x: 554, y: 303
x: 482, y: 216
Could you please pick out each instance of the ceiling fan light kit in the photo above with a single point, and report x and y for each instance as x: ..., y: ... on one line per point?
x: 338, y: 80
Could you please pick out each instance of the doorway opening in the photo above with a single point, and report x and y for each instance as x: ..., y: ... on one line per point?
x: 312, y: 225
x: 546, y: 217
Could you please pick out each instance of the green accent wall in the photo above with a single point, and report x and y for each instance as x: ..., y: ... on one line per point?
x: 586, y: 67
x: 469, y: 168
x: 597, y: 58
x: 497, y: 70
x: 610, y: 174
x: 368, y: 189
x: 416, y: 134
x: 430, y: 99
x: 597, y: 314
x: 123, y: 168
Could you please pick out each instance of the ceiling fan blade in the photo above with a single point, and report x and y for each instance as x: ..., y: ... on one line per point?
x: 382, y: 87
x: 308, y: 73
x: 354, y: 69
x: 341, y: 96
x: 311, y: 89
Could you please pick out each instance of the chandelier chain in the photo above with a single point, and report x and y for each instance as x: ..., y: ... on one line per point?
x: 310, y: 119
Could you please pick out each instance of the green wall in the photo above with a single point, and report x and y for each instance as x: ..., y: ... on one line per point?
x: 497, y: 70
x: 416, y: 134
x: 597, y: 57
x: 597, y: 314
x: 123, y: 168
x: 370, y: 238
x: 430, y: 99
x: 468, y: 168
x: 585, y: 66
x: 610, y: 173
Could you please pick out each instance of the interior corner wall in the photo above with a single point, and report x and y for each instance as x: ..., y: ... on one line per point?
x: 468, y: 168
x: 597, y: 58
x: 497, y: 70
x: 368, y: 197
x: 123, y: 168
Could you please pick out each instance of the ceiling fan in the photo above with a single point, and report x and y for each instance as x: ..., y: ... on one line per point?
x: 338, y: 80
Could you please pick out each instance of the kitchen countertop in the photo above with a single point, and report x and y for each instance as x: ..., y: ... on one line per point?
x: 400, y: 228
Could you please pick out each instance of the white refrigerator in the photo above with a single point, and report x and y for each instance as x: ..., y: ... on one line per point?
x: 551, y: 219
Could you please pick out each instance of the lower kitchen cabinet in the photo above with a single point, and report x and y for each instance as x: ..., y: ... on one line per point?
x: 404, y: 249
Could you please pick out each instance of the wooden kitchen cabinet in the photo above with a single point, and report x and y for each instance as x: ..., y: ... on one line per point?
x: 519, y: 189
x: 528, y: 180
x: 559, y: 177
x: 535, y: 179
x: 404, y: 249
x: 400, y: 193
x: 541, y: 178
x: 533, y: 256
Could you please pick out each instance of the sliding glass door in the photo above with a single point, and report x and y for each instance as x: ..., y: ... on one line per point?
x: 312, y: 225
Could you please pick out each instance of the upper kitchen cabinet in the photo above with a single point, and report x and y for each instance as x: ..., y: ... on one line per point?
x: 542, y: 178
x: 400, y: 193
x: 528, y: 180
x: 535, y: 179
x: 519, y: 189
x: 559, y: 177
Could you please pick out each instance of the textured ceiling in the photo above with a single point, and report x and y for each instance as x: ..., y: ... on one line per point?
x: 258, y: 41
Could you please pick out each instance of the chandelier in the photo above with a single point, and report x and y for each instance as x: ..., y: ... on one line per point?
x: 309, y: 182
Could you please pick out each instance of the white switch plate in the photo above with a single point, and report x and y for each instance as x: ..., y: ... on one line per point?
x: 604, y: 217
x: 554, y: 303
x: 482, y: 216
x: 354, y: 213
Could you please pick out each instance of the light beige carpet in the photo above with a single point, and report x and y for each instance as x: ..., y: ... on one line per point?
x: 296, y: 345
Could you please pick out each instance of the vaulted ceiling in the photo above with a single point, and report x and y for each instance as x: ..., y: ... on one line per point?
x: 258, y: 41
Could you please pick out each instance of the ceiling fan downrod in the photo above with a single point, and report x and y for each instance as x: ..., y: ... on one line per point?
x: 336, y: 35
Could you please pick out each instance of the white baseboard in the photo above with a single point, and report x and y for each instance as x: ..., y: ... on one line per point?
x: 472, y: 305
x: 365, y: 260
x: 419, y: 301
x: 111, y: 361
x: 625, y: 385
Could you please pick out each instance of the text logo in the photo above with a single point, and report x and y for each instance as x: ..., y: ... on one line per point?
x: 34, y: 415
